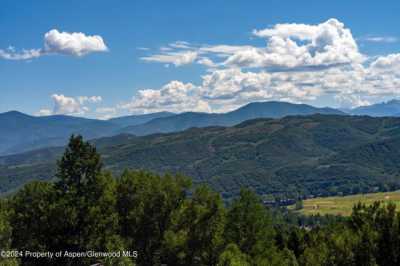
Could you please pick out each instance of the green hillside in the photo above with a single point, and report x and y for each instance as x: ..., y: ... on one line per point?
x: 318, y: 155
x: 21, y: 132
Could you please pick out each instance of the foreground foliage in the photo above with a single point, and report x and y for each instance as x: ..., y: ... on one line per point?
x: 168, y: 222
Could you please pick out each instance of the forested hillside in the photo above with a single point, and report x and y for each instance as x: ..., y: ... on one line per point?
x: 293, y: 156
x: 20, y: 132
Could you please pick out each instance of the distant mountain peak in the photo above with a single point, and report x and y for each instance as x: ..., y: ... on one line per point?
x: 393, y: 101
x: 389, y: 108
x: 14, y: 113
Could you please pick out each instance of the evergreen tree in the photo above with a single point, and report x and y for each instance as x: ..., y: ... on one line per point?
x: 196, y: 237
x: 34, y: 227
x: 249, y: 225
x: 5, y: 233
x: 387, y: 226
x: 86, y: 202
x: 232, y: 256
x: 146, y: 203
x: 77, y: 169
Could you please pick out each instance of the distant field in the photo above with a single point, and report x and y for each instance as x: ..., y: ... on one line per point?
x: 343, y: 205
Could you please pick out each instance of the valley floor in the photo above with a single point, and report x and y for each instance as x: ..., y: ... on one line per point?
x: 343, y: 205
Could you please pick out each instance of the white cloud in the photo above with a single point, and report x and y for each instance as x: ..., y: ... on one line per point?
x: 180, y: 44
x: 55, y: 42
x: 75, y: 43
x: 380, y: 39
x: 288, y: 30
x: 229, y: 83
x: 64, y: 105
x: 174, y: 96
x: 300, y: 45
x: 350, y: 101
x: 231, y: 88
x: 223, y: 90
x: 223, y: 50
x: 206, y: 62
x: 288, y: 47
x: 11, y: 54
x: 387, y: 63
x: 183, y: 53
x: 299, y: 63
x: 176, y: 58
x: 44, y: 112
x: 106, y: 112
x: 89, y: 99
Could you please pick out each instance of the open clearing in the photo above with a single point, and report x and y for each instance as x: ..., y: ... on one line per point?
x: 343, y: 205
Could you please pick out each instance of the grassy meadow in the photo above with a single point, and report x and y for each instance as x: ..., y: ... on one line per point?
x: 342, y: 205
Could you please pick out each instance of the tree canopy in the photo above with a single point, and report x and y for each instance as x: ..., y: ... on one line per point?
x: 166, y: 220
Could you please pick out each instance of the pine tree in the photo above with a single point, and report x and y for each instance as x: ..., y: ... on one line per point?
x: 146, y: 203
x: 196, y: 237
x: 5, y: 233
x: 32, y: 218
x: 249, y: 225
x: 86, y: 201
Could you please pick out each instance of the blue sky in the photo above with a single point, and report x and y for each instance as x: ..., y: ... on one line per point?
x: 129, y: 73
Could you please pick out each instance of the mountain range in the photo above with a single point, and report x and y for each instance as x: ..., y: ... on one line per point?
x: 390, y: 108
x: 294, y: 155
x: 187, y: 120
x: 20, y: 132
x: 295, y: 150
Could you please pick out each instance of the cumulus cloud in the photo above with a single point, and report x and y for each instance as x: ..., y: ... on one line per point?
x: 299, y: 45
x: 75, y: 43
x: 382, y: 77
x: 386, y: 63
x: 175, y: 96
x: 350, y: 101
x: 288, y: 46
x: 223, y: 90
x: 228, y: 89
x: 220, y: 91
x: 55, y: 42
x: 299, y: 63
x: 67, y: 105
x: 64, y: 105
